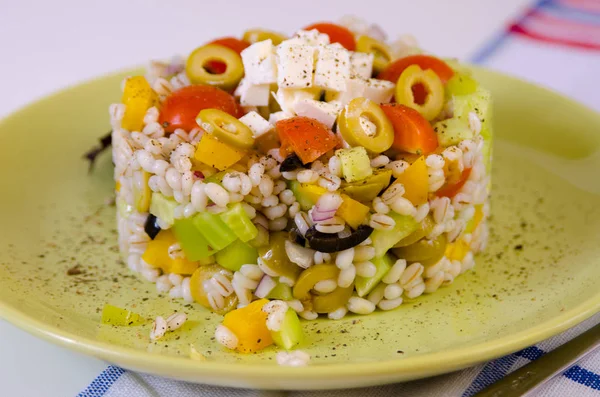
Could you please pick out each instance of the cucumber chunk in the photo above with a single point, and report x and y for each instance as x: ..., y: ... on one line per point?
x: 290, y: 334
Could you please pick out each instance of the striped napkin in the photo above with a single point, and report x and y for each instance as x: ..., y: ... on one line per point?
x: 556, y: 43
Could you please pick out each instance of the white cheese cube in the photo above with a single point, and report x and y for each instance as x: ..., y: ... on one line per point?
x: 361, y: 65
x: 355, y: 87
x: 287, y: 97
x: 324, y: 112
x: 275, y: 117
x: 380, y: 91
x: 259, y: 63
x: 257, y: 124
x: 332, y: 68
x: 256, y: 95
x: 295, y: 65
x: 310, y: 37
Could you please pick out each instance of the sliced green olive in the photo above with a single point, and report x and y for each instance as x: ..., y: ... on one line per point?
x: 425, y: 251
x: 367, y: 189
x: 382, y: 52
x: 205, y: 273
x: 255, y: 35
x: 311, y: 276
x: 226, y: 128
x: 356, y: 126
x: 424, y: 229
x: 275, y: 258
x: 413, y: 76
x: 332, y: 301
x: 201, y: 56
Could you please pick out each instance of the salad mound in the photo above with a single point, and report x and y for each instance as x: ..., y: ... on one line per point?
x: 269, y: 177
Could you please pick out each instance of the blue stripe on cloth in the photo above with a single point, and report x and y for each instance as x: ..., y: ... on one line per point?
x: 492, y: 372
x: 561, y: 11
x: 488, y: 49
x: 103, y: 382
x: 583, y: 376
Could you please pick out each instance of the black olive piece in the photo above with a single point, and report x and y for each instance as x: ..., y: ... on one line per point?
x: 326, y: 242
x: 291, y: 163
x: 92, y: 154
x: 151, y: 226
x: 296, y: 237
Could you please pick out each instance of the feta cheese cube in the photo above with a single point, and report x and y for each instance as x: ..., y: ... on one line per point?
x: 324, y: 112
x: 332, y: 68
x: 295, y: 65
x: 275, y: 117
x: 355, y: 87
x: 257, y: 124
x: 310, y: 37
x: 380, y: 91
x: 252, y: 94
x: 287, y: 97
x: 259, y: 63
x: 361, y: 65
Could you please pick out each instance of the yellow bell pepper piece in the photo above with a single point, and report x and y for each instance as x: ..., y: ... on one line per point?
x: 351, y: 211
x: 215, y: 153
x: 476, y: 220
x: 457, y: 250
x: 141, y: 191
x: 249, y: 324
x: 122, y: 317
x: 157, y: 255
x: 138, y: 97
x: 416, y: 182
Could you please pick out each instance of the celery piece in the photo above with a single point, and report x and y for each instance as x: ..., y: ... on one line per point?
x: 122, y: 317
x: 305, y: 202
x: 163, y: 207
x: 290, y: 334
x: 383, y: 240
x: 282, y: 292
x: 364, y: 285
x: 355, y: 163
x: 192, y: 242
x: 452, y: 131
x: 236, y: 254
x: 239, y: 222
x: 215, y: 231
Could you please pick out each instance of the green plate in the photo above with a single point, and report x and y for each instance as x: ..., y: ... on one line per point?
x: 538, y: 276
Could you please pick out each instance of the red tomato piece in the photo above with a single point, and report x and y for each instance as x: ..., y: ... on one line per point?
x: 412, y: 132
x: 451, y: 190
x: 308, y: 138
x: 181, y: 108
x: 232, y: 43
x: 393, y: 71
x: 336, y: 33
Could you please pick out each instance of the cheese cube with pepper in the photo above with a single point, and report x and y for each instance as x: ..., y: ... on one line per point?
x: 361, y: 65
x: 259, y: 63
x: 324, y: 112
x: 380, y: 91
x: 355, y: 88
x: 332, y: 68
x: 288, y: 97
x: 310, y: 37
x: 257, y: 124
x: 295, y: 65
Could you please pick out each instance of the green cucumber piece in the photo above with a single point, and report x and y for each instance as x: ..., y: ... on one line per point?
x: 461, y: 84
x: 239, y: 222
x: 305, y: 202
x: 452, y: 131
x: 193, y: 243
x: 364, y: 285
x: 215, y: 231
x: 282, y: 292
x: 123, y: 208
x: 383, y: 240
x: 290, y: 334
x: 163, y: 207
x: 355, y: 163
x: 236, y: 254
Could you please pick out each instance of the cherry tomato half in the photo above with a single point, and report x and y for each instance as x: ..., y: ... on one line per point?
x: 181, y: 108
x: 393, y: 71
x: 232, y: 43
x: 306, y: 137
x: 336, y: 33
x: 412, y: 132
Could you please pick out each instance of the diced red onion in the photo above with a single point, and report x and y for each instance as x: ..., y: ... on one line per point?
x: 318, y: 216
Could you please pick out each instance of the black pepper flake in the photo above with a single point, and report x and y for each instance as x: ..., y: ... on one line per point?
x: 518, y: 247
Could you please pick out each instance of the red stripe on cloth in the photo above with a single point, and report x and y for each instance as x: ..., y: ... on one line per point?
x: 548, y: 20
x: 553, y: 38
x: 584, y: 5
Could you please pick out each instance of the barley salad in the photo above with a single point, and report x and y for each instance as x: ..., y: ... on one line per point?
x: 270, y: 177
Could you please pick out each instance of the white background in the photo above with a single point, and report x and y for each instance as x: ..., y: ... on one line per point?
x: 49, y: 45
